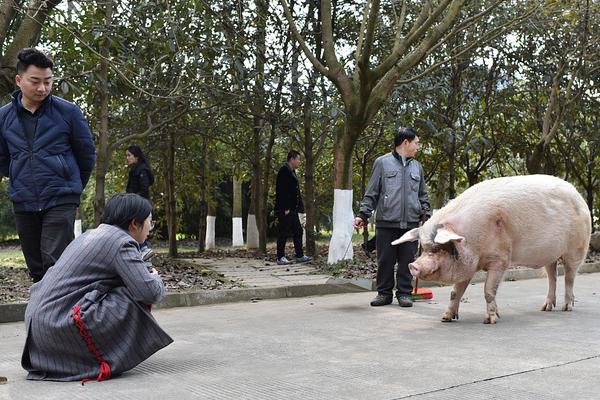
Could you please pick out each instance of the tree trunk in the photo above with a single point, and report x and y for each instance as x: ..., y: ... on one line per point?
x: 211, y: 210
x: 203, y: 195
x: 23, y: 31
x: 309, y: 177
x: 237, y: 238
x: 171, y: 207
x: 589, y: 187
x: 102, y: 152
x: 252, y: 240
x: 340, y: 246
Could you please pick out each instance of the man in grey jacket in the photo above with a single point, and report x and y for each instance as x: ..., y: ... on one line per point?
x: 398, y: 193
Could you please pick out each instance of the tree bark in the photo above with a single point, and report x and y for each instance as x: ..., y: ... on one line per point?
x: 171, y: 206
x: 203, y: 198
x: 211, y: 209
x: 26, y: 34
x: 102, y: 152
x: 237, y: 238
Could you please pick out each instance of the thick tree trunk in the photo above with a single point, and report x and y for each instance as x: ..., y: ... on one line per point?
x: 237, y: 238
x: 309, y: 179
x: 340, y: 246
x: 102, y: 152
x: 171, y: 207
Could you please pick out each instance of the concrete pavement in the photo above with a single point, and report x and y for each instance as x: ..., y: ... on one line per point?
x: 338, y: 347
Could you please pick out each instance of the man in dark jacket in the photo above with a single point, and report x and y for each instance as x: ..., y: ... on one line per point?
x: 398, y: 192
x: 288, y: 203
x: 48, y: 153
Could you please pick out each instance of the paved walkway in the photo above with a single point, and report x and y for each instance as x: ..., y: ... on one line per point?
x: 337, y: 347
x: 261, y: 274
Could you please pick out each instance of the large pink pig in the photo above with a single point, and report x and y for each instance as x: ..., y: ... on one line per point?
x: 530, y: 220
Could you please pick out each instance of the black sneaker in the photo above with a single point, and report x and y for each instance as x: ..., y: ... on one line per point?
x: 405, y: 301
x: 381, y: 300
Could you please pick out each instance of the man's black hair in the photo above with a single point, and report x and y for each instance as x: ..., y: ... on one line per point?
x: 30, y: 56
x: 292, y: 154
x: 124, y: 208
x: 404, y: 134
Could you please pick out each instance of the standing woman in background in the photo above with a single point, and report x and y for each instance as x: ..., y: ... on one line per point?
x: 140, y: 174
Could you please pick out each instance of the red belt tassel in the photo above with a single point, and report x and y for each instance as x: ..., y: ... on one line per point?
x: 104, y: 367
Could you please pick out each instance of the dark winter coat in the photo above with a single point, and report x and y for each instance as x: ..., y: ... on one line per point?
x: 287, y: 191
x: 140, y: 179
x: 102, y: 273
x: 52, y: 168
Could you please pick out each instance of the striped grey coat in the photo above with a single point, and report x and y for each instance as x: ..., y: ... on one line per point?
x: 102, y: 272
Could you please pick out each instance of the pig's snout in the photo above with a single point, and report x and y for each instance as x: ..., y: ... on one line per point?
x: 414, y: 271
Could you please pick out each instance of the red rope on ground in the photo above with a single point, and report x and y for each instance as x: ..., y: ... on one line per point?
x: 104, y: 367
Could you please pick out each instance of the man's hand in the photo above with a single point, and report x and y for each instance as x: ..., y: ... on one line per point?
x: 358, y: 223
x: 286, y: 212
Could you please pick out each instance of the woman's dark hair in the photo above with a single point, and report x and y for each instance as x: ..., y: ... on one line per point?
x: 137, y: 152
x: 30, y: 56
x: 124, y: 208
x: 404, y: 134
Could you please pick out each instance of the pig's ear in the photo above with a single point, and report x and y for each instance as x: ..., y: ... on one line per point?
x: 444, y: 236
x: 409, y: 236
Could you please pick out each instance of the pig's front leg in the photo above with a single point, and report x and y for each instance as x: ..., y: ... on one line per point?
x: 457, y: 293
x: 492, y: 281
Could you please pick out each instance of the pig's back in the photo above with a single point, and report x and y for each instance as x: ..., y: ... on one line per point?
x: 544, y: 216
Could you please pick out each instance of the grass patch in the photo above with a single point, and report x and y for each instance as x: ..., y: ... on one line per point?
x: 12, y: 258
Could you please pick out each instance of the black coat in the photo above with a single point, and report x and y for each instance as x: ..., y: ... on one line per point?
x: 287, y: 191
x: 140, y: 180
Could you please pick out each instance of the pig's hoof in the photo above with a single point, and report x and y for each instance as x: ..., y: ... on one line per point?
x: 548, y: 306
x: 568, y: 307
x: 449, y: 316
x: 491, y: 319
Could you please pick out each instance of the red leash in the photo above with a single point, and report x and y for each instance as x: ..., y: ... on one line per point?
x: 104, y: 367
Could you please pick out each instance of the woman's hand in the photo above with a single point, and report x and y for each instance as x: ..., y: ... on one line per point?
x: 153, y: 271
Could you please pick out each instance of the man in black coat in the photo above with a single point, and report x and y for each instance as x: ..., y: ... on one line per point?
x: 288, y: 203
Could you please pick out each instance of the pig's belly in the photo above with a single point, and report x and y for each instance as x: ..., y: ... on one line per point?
x: 535, y: 258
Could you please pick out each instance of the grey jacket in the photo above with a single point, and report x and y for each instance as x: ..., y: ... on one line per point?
x: 101, y: 272
x: 398, y: 193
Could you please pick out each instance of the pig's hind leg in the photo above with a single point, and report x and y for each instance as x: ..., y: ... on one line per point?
x: 551, y: 296
x: 570, y: 272
x: 455, y: 296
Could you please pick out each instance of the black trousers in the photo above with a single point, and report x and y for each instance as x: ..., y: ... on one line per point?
x: 289, y: 224
x: 44, y: 235
x: 388, y: 256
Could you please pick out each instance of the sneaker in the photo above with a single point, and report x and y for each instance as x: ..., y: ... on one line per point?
x: 303, y: 259
x: 381, y: 300
x: 283, y: 261
x: 405, y: 301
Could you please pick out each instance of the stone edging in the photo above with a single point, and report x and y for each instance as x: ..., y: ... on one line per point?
x: 15, y: 312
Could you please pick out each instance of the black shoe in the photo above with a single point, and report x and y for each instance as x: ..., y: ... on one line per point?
x: 381, y: 300
x: 405, y: 301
